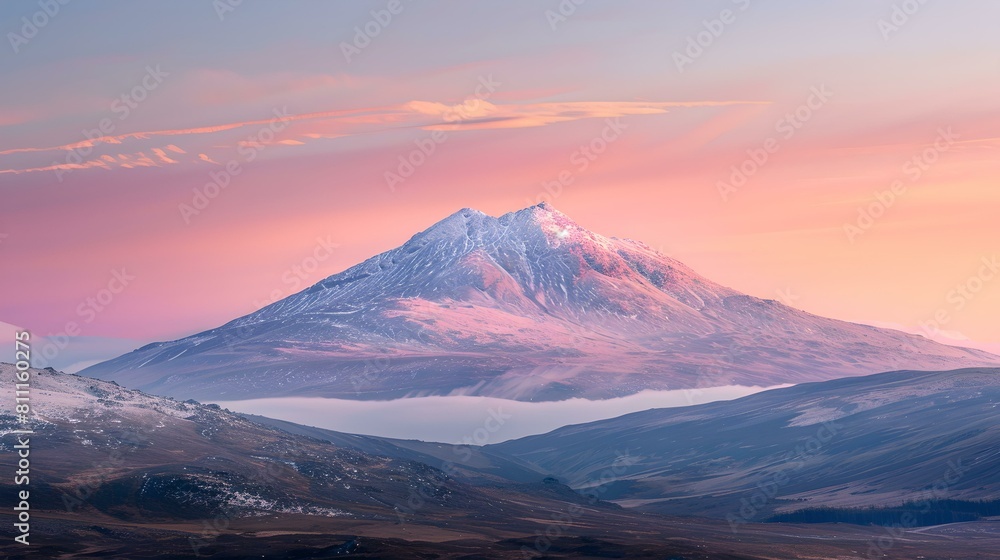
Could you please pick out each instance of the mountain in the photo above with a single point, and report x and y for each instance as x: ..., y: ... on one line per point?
x: 527, y: 306
x: 132, y: 471
x: 105, y: 449
x: 468, y: 463
x: 119, y: 474
x: 878, y: 440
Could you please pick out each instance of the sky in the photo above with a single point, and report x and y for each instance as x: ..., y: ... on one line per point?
x: 167, y: 167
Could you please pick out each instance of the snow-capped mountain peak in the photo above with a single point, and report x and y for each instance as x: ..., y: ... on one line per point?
x: 527, y: 305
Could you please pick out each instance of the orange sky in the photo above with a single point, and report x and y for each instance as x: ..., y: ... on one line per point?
x: 826, y: 117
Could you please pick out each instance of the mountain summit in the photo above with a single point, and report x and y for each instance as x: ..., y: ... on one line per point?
x: 527, y: 306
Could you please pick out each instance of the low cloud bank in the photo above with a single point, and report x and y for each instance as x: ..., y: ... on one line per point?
x: 466, y: 419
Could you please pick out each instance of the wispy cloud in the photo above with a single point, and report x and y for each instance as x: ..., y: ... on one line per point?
x: 471, y: 115
x: 485, y: 115
x: 131, y: 160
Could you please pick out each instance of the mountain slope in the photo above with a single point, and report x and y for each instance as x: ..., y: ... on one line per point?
x: 118, y: 457
x: 116, y: 473
x: 102, y: 448
x: 468, y: 463
x: 526, y: 306
x: 864, y: 441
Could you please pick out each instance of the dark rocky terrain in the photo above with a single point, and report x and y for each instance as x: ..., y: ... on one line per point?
x: 117, y: 473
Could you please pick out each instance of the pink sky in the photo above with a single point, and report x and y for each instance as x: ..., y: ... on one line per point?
x: 506, y: 122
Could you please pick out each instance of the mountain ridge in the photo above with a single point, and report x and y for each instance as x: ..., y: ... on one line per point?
x: 528, y: 306
x: 872, y: 441
x: 123, y: 474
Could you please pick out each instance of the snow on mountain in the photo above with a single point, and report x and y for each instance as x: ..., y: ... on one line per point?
x: 115, y: 454
x: 526, y: 306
